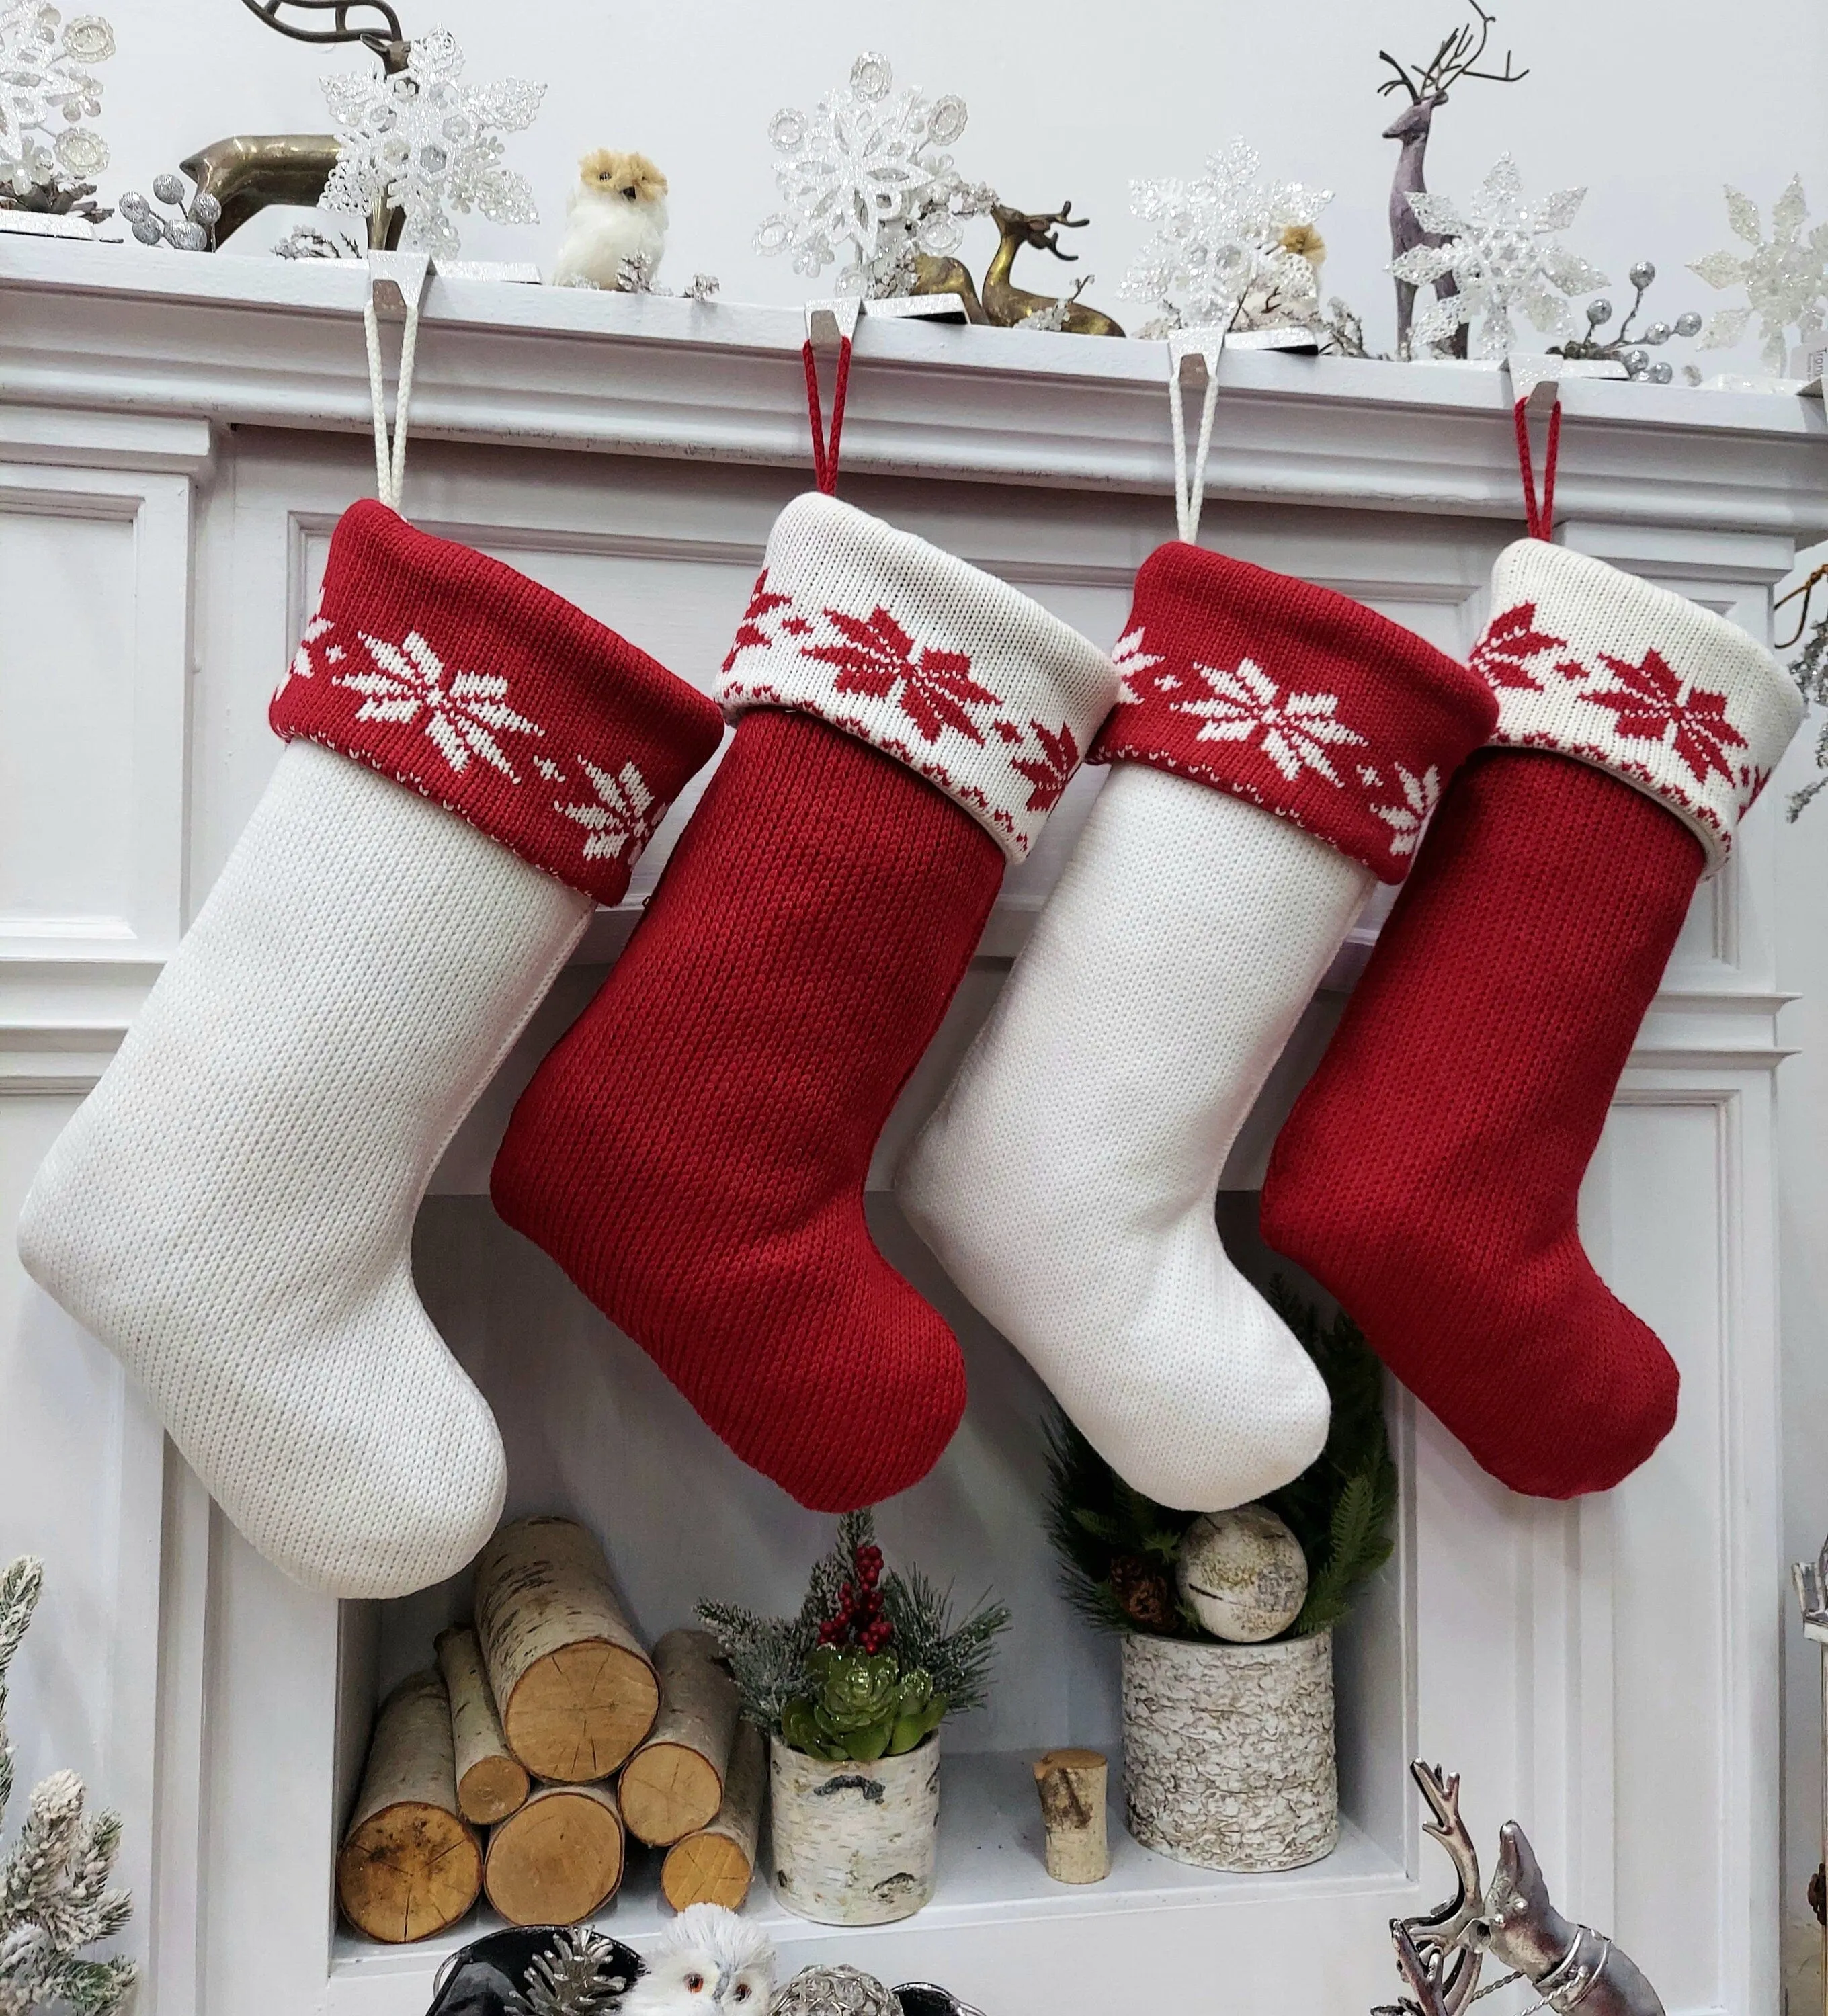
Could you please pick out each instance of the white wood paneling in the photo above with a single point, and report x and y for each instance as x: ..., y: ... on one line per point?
x: 1606, y: 1673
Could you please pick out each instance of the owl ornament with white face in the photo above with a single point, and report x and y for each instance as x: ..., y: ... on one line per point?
x: 707, y: 1959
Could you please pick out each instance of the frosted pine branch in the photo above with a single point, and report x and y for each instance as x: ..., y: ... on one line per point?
x: 54, y: 1895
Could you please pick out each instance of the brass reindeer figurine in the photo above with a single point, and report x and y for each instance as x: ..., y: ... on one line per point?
x: 1440, y: 1954
x: 248, y: 171
x: 1001, y: 302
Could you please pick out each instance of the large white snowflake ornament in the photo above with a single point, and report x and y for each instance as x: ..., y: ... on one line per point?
x: 865, y: 181
x: 1224, y: 239
x: 425, y: 143
x: 46, y: 91
x: 1785, y: 281
x: 1503, y: 256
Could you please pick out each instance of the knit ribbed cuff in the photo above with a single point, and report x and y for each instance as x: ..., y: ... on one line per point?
x: 449, y: 672
x: 1608, y: 669
x: 971, y: 686
x: 1311, y: 706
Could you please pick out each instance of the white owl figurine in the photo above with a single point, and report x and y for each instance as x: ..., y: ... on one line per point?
x: 708, y: 1959
x: 617, y: 212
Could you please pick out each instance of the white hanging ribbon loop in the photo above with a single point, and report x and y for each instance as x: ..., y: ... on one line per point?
x: 396, y: 287
x: 1193, y: 359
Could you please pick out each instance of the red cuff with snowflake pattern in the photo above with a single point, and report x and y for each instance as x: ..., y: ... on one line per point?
x: 448, y: 672
x: 1594, y: 663
x: 1311, y: 706
x: 949, y: 671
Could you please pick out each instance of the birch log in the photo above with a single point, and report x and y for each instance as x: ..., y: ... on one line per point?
x: 717, y: 1865
x: 491, y: 1784
x: 558, y: 1859
x: 673, y: 1783
x: 410, y: 1865
x: 574, y: 1691
x: 1071, y: 1783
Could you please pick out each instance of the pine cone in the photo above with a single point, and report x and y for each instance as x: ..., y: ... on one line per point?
x: 1142, y: 1593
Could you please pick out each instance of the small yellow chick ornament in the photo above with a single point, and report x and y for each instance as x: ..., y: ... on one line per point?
x: 618, y: 213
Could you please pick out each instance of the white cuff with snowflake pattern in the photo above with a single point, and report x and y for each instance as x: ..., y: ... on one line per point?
x: 1595, y: 663
x: 951, y: 672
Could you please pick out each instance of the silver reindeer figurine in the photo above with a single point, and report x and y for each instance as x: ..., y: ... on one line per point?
x: 1440, y: 1955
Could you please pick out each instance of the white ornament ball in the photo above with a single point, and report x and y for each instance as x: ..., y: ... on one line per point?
x: 1242, y: 1573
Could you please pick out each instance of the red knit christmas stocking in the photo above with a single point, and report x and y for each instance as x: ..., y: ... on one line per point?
x: 1429, y: 1174
x: 693, y: 1152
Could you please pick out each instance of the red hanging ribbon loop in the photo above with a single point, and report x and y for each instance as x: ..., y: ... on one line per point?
x: 1540, y: 519
x: 825, y: 457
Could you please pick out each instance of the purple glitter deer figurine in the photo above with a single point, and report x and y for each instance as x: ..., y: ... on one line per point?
x: 1427, y: 85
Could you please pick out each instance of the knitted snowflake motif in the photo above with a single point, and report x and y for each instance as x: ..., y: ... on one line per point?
x: 1785, y: 279
x: 1505, y: 656
x: 1131, y: 661
x: 1420, y: 796
x: 623, y: 816
x: 1051, y: 771
x: 1653, y: 702
x: 877, y: 655
x: 1502, y: 254
x: 462, y: 717
x: 1295, y: 728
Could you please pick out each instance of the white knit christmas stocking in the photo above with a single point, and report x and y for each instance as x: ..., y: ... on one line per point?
x: 1277, y: 749
x: 473, y: 764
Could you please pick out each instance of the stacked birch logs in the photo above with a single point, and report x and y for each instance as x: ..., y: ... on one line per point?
x: 548, y: 1727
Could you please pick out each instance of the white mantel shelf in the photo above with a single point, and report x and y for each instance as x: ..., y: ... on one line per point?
x: 267, y: 342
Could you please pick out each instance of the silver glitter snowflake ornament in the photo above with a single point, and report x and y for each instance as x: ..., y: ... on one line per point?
x: 46, y: 91
x: 1503, y: 256
x: 1786, y: 280
x: 1225, y: 241
x: 865, y: 181
x: 424, y: 142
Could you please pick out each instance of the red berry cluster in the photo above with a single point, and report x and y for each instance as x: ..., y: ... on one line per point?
x: 861, y: 1621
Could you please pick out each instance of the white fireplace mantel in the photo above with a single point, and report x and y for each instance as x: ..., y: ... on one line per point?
x: 178, y: 435
x: 272, y: 343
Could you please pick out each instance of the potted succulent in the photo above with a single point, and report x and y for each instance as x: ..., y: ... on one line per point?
x: 850, y: 1694
x: 1227, y: 1617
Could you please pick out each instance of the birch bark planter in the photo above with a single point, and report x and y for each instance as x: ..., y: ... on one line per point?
x: 1228, y: 1754
x: 855, y: 1843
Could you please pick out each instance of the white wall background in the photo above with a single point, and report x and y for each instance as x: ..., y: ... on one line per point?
x: 1653, y: 108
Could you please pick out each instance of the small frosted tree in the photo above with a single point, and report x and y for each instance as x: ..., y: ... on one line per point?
x: 54, y: 1895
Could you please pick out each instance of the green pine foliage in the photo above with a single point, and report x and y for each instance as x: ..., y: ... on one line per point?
x: 773, y: 1660
x: 1342, y: 1508
x: 1117, y: 1549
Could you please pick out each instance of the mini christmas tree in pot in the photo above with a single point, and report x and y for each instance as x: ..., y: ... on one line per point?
x: 850, y: 1694
x: 1227, y: 1617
